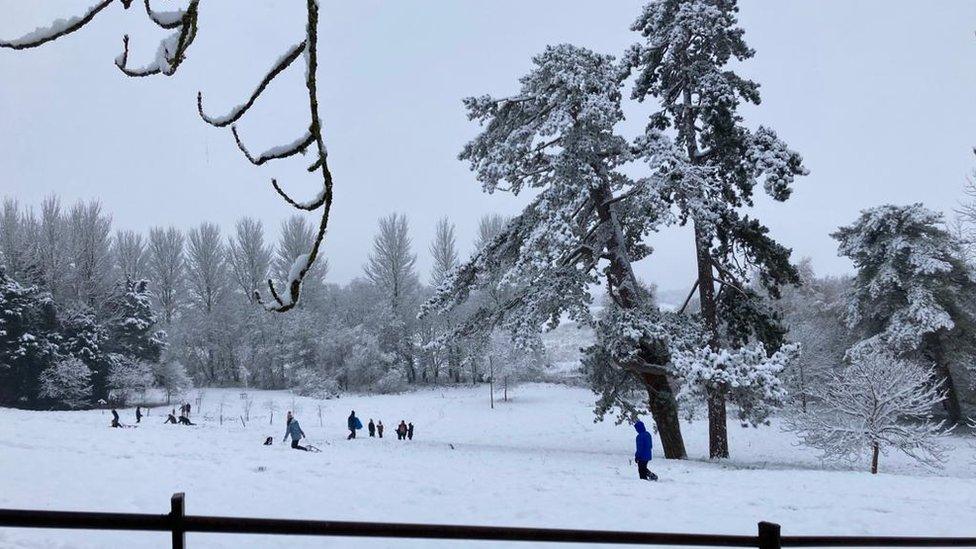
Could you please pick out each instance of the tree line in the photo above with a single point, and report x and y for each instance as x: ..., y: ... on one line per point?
x: 88, y: 312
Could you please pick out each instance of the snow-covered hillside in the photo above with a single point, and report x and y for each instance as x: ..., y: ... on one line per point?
x: 537, y: 460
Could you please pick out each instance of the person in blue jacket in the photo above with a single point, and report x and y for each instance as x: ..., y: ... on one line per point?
x: 294, y: 430
x: 645, y: 444
x: 353, y: 423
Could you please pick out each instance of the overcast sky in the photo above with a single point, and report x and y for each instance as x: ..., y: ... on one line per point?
x: 878, y: 96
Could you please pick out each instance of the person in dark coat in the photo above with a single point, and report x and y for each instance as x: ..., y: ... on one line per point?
x: 294, y: 430
x: 186, y: 421
x: 115, y: 419
x: 372, y: 428
x: 171, y: 418
x: 379, y: 428
x: 401, y: 430
x: 410, y: 431
x: 138, y: 414
x: 187, y: 409
x: 353, y: 423
x: 645, y: 444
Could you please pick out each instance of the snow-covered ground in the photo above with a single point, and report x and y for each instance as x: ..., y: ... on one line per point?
x: 538, y: 460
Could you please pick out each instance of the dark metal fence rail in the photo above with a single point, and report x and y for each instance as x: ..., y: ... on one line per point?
x: 178, y: 524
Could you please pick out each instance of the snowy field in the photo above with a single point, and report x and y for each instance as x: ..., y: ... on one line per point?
x: 538, y: 460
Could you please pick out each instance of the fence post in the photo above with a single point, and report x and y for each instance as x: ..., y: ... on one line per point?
x: 176, y: 513
x: 769, y: 536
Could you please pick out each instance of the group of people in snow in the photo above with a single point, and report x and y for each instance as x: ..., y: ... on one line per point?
x: 184, y: 418
x: 293, y: 429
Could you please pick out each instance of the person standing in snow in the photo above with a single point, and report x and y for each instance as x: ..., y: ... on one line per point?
x: 353, y: 423
x: 138, y: 414
x: 294, y: 430
x: 410, y: 431
x: 115, y: 419
x: 372, y: 428
x: 402, y: 430
x: 187, y: 409
x: 379, y: 428
x: 645, y: 444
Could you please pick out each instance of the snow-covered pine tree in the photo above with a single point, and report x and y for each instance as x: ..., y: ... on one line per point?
x: 706, y: 163
x: 877, y: 402
x: 67, y: 382
x: 84, y: 337
x: 28, y: 339
x: 584, y: 226
x: 914, y: 295
x: 132, y: 326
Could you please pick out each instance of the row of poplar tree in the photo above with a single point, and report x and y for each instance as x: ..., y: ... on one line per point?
x: 87, y: 313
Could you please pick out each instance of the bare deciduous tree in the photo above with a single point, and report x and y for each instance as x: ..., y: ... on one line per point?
x: 205, y: 266
x: 250, y: 258
x: 166, y: 266
x: 130, y: 255
x: 391, y: 264
x: 443, y: 250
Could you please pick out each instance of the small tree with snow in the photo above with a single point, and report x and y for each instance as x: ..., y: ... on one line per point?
x: 68, y: 383
x: 127, y: 378
x: 877, y: 403
x: 172, y: 377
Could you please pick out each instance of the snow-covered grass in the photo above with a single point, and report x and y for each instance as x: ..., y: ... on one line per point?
x: 538, y: 460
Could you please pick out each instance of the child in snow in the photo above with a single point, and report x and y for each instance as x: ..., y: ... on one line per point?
x: 186, y: 421
x: 643, y: 454
x: 379, y: 428
x: 115, y: 419
x: 353, y: 423
x: 138, y: 414
x: 402, y: 430
x: 294, y: 430
x: 410, y: 431
x: 372, y: 428
x: 171, y: 418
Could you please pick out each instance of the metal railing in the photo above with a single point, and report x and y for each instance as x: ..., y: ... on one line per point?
x: 178, y: 523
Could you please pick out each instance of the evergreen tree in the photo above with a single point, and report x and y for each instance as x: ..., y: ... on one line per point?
x: 914, y: 296
x: 705, y: 164
x: 28, y: 339
x: 86, y: 339
x: 132, y: 328
x: 556, y: 139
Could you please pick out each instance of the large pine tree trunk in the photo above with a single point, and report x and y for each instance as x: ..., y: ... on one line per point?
x: 934, y: 351
x: 718, y: 435
x: 664, y: 410
x: 626, y: 293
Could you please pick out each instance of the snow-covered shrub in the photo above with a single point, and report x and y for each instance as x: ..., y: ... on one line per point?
x: 312, y: 383
x: 748, y: 375
x: 126, y: 378
x: 171, y: 375
x: 876, y: 403
x: 67, y: 382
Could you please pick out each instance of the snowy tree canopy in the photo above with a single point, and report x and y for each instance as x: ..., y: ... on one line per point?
x: 914, y: 293
x: 586, y: 224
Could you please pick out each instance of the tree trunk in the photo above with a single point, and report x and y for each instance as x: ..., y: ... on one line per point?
x: 874, y: 458
x: 935, y: 353
x: 626, y: 293
x: 718, y: 436
x: 664, y: 410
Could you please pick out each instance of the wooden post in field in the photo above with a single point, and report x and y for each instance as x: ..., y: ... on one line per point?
x: 176, y: 513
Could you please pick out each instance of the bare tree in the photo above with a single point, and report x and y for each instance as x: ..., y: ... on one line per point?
x: 11, y: 236
x: 391, y: 264
x: 183, y: 26
x: 250, y: 257
x: 130, y: 254
x: 166, y: 266
x: 52, y: 247
x: 205, y: 267
x: 443, y: 249
x: 90, y: 254
x: 489, y: 226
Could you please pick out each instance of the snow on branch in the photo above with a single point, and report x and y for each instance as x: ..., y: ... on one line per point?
x: 56, y: 29
x: 237, y: 112
x: 171, y: 54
